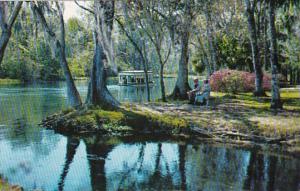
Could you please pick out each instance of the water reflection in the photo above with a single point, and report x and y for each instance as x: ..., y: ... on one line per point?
x: 119, y: 164
x: 72, y: 145
x: 38, y: 158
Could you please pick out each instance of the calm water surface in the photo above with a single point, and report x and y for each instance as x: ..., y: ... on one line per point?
x: 40, y: 159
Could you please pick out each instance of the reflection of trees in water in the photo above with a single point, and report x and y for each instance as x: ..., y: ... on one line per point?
x: 144, y: 173
x: 287, y: 176
x: 271, y: 172
x: 72, y: 145
x: 160, y: 166
x: 215, y: 168
x: 255, y: 172
x: 182, y: 152
x: 97, y: 150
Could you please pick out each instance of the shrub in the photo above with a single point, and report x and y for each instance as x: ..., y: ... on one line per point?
x: 234, y: 81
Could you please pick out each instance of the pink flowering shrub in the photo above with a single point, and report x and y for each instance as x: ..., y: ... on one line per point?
x: 234, y: 81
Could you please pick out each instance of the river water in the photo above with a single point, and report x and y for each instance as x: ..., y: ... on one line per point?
x: 36, y: 158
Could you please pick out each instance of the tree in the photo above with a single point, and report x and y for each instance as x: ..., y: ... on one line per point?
x: 98, y: 94
x: 156, y: 30
x: 250, y: 9
x: 182, y: 83
x: 209, y: 31
x: 6, y: 26
x: 72, y: 92
x: 137, y: 39
x: 275, y: 101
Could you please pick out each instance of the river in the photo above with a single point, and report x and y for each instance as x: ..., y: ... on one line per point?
x: 36, y: 158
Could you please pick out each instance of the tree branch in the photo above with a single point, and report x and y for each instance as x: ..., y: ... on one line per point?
x: 85, y: 8
x: 14, y: 15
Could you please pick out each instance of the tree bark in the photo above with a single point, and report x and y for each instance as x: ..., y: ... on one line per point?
x: 98, y: 94
x: 7, y: 26
x: 275, y: 101
x: 105, y: 10
x: 162, y: 83
x: 266, y: 42
x: 212, y: 49
x: 182, y: 84
x: 259, y: 91
x: 73, y: 95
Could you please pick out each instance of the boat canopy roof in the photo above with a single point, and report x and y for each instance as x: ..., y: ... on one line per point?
x: 133, y: 72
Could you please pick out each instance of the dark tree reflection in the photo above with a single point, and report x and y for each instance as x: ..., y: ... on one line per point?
x: 72, y: 145
x: 97, y: 151
x: 255, y: 172
x: 182, y: 151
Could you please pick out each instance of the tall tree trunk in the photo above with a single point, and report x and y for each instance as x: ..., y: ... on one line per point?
x: 266, y: 42
x: 105, y: 10
x: 212, y: 49
x: 275, y: 101
x: 98, y: 94
x: 291, y: 76
x: 298, y: 77
x: 73, y: 95
x: 162, y: 83
x: 182, y: 83
x: 7, y: 26
x: 259, y: 91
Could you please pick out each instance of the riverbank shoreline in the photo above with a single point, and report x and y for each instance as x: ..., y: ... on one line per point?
x: 236, y: 119
x: 5, y: 186
x: 6, y: 81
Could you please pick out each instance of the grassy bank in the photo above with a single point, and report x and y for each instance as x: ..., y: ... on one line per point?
x: 5, y: 186
x: 233, y: 118
x: 126, y: 120
x: 9, y: 81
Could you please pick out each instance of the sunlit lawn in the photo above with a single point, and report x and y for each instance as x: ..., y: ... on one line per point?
x: 244, y: 113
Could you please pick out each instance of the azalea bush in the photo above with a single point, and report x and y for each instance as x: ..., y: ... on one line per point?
x: 234, y: 81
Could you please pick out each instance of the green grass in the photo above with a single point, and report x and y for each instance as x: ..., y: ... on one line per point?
x: 9, y: 81
x: 126, y: 119
x: 241, y: 113
x: 248, y: 114
x: 5, y: 186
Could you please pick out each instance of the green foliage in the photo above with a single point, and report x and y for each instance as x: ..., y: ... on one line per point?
x: 233, y: 53
x: 74, y: 25
x: 114, y: 117
x: 87, y: 120
x: 167, y: 120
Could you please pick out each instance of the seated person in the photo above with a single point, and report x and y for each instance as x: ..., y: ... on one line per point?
x: 193, y: 92
x: 204, y: 95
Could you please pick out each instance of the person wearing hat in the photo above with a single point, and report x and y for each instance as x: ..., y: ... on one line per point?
x: 192, y: 93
